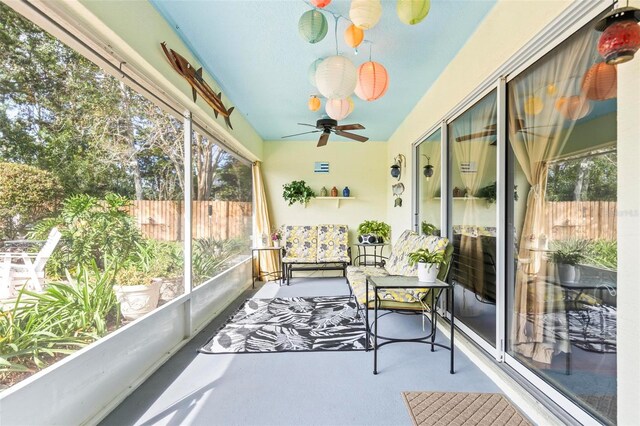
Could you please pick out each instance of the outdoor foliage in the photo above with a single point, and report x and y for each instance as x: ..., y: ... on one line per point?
x: 151, y: 259
x: 603, y: 254
x: 592, y: 178
x: 598, y: 253
x: 93, y: 231
x: 64, y: 318
x: 27, y: 194
x: 211, y: 256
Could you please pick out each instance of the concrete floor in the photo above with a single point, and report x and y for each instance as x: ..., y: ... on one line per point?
x: 311, y: 388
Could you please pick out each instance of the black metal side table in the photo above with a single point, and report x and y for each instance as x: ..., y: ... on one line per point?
x: 365, y: 256
x: 396, y: 282
x: 278, y: 275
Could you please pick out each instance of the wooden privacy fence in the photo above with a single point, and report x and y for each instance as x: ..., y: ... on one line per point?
x: 164, y: 220
x: 591, y: 220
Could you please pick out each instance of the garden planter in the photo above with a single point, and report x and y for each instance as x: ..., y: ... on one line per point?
x: 567, y: 274
x: 428, y: 272
x: 137, y: 300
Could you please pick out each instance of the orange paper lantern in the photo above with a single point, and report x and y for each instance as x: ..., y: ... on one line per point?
x: 353, y: 36
x: 373, y: 81
x: 600, y: 82
x: 314, y: 103
x: 573, y: 107
x: 320, y: 3
x: 533, y: 105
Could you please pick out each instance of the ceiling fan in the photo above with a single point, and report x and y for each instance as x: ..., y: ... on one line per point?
x: 490, y: 130
x: 328, y: 125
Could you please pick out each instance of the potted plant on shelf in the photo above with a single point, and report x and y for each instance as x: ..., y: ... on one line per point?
x: 372, y: 231
x: 566, y: 254
x: 297, y: 192
x: 429, y: 263
x: 429, y: 228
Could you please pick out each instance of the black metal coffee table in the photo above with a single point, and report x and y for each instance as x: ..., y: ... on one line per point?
x: 398, y: 282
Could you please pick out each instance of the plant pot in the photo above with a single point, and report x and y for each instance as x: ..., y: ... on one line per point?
x: 428, y: 272
x: 137, y: 300
x: 567, y: 274
x: 276, y: 243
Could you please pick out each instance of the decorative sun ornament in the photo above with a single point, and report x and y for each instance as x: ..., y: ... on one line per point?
x: 600, y: 82
x: 620, y: 37
x: 336, y: 77
x: 533, y: 105
x: 313, y: 26
x: 314, y: 103
x: 339, y: 109
x: 312, y: 71
x: 573, y: 107
x: 365, y: 14
x: 353, y: 36
x: 412, y: 12
x: 373, y: 81
x: 320, y: 3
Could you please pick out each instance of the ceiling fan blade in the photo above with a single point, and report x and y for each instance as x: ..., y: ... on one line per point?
x: 475, y: 135
x: 305, y: 124
x: 351, y: 136
x: 298, y: 134
x: 324, y: 138
x: 350, y: 127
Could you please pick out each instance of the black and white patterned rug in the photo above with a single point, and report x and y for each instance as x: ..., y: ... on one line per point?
x: 298, y: 324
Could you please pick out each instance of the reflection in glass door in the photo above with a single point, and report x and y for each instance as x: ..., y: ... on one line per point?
x: 428, y: 184
x: 472, y: 209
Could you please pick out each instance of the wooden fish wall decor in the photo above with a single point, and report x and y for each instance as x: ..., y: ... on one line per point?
x: 197, y: 83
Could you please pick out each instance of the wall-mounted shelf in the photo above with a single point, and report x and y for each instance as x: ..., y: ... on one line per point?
x: 336, y: 199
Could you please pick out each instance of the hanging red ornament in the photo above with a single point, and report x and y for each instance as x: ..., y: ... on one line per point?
x: 620, y: 37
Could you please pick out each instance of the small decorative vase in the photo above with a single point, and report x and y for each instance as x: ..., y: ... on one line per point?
x: 334, y: 192
x: 323, y: 192
x: 346, y: 192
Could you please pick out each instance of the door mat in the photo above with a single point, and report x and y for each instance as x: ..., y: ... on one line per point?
x: 459, y: 408
x: 298, y: 324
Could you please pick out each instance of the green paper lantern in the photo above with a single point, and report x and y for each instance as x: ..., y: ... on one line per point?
x: 313, y: 26
x: 412, y: 12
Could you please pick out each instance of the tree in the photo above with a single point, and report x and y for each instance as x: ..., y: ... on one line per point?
x: 27, y: 194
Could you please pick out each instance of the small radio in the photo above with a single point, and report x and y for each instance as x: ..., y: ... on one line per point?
x: 367, y: 239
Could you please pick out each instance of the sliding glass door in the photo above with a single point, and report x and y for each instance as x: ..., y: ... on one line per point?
x: 472, y: 208
x: 428, y: 183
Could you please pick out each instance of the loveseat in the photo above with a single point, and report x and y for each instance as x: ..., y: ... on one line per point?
x: 398, y: 264
x: 312, y: 248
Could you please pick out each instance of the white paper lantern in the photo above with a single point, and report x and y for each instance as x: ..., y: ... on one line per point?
x: 312, y: 71
x: 339, y: 109
x: 336, y: 77
x: 365, y: 14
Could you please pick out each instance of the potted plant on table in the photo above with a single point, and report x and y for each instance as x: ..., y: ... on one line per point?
x: 297, y: 192
x: 380, y: 231
x: 429, y: 263
x: 566, y: 254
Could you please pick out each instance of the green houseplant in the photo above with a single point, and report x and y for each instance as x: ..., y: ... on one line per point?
x: 566, y: 254
x: 428, y: 228
x: 297, y: 192
x: 376, y: 228
x: 429, y: 263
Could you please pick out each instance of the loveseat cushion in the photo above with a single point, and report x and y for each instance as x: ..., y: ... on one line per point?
x: 357, y: 277
x: 333, y: 243
x: 300, y: 244
x: 409, y: 241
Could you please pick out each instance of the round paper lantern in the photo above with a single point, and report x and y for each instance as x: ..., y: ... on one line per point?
x: 412, y: 12
x: 552, y: 90
x: 339, y: 109
x: 336, y: 77
x: 372, y: 81
x: 320, y: 3
x: 573, y: 107
x: 353, y: 36
x: 312, y: 26
x: 533, y: 105
x: 620, y: 37
x: 312, y: 71
x: 600, y: 82
x: 365, y: 14
x: 314, y: 103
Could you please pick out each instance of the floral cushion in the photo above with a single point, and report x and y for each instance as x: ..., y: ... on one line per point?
x: 409, y: 241
x: 333, y: 243
x: 357, y: 277
x: 300, y: 244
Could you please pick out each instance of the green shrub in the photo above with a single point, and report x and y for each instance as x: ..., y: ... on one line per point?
x: 570, y: 252
x: 211, y: 256
x: 150, y: 259
x: 27, y: 194
x: 603, y: 254
x: 92, y: 230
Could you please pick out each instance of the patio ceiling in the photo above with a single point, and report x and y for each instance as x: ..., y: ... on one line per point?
x: 253, y: 50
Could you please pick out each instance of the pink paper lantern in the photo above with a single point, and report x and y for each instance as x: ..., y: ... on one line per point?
x: 373, y: 81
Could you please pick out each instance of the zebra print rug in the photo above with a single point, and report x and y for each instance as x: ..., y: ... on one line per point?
x: 299, y: 324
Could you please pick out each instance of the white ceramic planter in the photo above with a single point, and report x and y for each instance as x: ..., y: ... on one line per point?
x: 568, y: 274
x: 137, y: 300
x: 428, y: 272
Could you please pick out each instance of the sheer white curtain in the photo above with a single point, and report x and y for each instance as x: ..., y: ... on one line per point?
x: 544, y: 104
x: 262, y: 223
